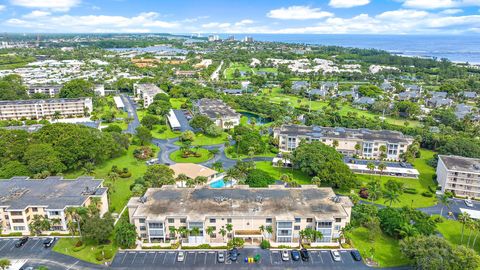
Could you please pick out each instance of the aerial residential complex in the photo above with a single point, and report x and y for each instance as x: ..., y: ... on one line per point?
x: 22, y: 198
x: 219, y: 112
x: 286, y: 210
x: 370, y: 141
x: 459, y: 175
x: 45, y: 108
x: 50, y: 90
x: 146, y: 92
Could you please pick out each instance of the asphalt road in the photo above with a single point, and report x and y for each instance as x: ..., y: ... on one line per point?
x: 132, y: 112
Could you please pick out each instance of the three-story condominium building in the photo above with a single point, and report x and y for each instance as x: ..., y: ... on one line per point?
x: 146, y: 92
x: 45, y: 108
x: 220, y: 113
x: 364, y: 142
x: 276, y: 213
x: 459, y: 175
x: 22, y: 198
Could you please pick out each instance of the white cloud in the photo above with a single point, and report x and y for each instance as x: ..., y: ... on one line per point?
x: 2, y: 7
x: 36, y: 14
x: 348, y: 3
x: 298, y: 13
x: 55, y: 5
x: 244, y: 22
x: 401, y: 21
x: 452, y: 11
x: 147, y: 21
x: 438, y: 4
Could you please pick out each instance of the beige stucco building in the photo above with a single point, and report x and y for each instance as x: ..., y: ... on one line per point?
x: 220, y: 113
x: 45, y: 108
x: 460, y: 175
x: 22, y: 198
x: 252, y: 212
x: 146, y: 92
x: 369, y: 141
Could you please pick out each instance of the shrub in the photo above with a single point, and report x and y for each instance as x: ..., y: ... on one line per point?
x: 162, y: 129
x: 78, y: 243
x: 265, y: 244
x: 363, y: 193
x: 410, y: 191
x: 427, y: 194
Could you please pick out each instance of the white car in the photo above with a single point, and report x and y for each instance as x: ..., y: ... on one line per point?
x: 336, y: 255
x: 285, y: 255
x: 181, y: 256
x: 468, y: 203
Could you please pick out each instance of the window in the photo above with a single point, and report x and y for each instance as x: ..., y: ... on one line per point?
x: 18, y: 228
x: 229, y: 220
x: 54, y: 213
x: 17, y: 220
x: 337, y: 227
x: 35, y: 209
x: 141, y: 220
x: 171, y: 220
x: 155, y: 225
x: 143, y: 235
x: 338, y: 220
x: 183, y: 220
x: 309, y: 219
x: 297, y: 220
x: 268, y: 220
x: 212, y: 220
x: 16, y: 213
x: 143, y: 228
x: 296, y: 227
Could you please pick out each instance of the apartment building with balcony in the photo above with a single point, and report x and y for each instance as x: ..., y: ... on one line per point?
x: 146, y: 93
x: 50, y: 90
x: 220, y: 113
x: 161, y: 212
x: 22, y: 198
x: 45, y: 108
x: 369, y: 141
x: 459, y: 175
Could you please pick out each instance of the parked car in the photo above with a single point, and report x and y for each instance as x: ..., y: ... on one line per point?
x: 20, y: 242
x: 295, y: 255
x: 468, y: 203
x: 336, y: 255
x: 234, y: 254
x: 220, y: 257
x: 285, y: 255
x: 181, y: 256
x: 304, y: 254
x: 48, y: 242
x: 356, y: 255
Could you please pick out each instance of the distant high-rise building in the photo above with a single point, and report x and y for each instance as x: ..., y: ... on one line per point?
x: 248, y: 39
x: 231, y: 38
x: 213, y: 38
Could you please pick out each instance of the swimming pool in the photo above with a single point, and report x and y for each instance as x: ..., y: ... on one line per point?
x: 220, y: 184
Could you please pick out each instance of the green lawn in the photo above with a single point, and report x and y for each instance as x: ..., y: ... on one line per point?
x: 205, y: 155
x: 276, y: 173
x: 167, y: 134
x: 233, y: 155
x: 202, y: 139
x: 228, y: 73
x: 277, y: 96
x: 121, y: 193
x: 386, y: 250
x: 177, y: 102
x: 452, y: 232
x: 66, y: 245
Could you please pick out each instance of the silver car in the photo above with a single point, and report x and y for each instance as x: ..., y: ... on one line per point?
x: 181, y: 256
x: 336, y: 255
x: 220, y: 257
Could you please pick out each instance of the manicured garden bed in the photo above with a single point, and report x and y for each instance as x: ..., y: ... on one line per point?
x: 205, y: 155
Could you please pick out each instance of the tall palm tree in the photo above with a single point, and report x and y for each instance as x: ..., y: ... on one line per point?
x: 229, y: 227
x: 463, y: 218
x: 476, y: 232
x: 371, y: 167
x: 223, y: 232
x: 391, y: 196
x: 195, y: 231
x: 210, y: 230
x: 381, y: 167
x: 445, y: 201
x: 472, y: 226
x: 262, y: 229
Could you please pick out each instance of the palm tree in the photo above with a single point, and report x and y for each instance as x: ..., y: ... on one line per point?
x: 223, y: 232
x: 335, y: 144
x: 445, y: 201
x: 472, y: 226
x: 261, y: 229
x: 195, y: 231
x: 391, y: 196
x: 316, y: 181
x: 280, y: 164
x: 229, y: 227
x: 463, y: 218
x: 374, y: 190
x: 383, y: 151
x: 357, y: 148
x: 476, y: 232
x: 269, y: 230
x: 371, y: 167
x: 407, y: 230
x: 210, y: 230
x: 381, y: 167
x: 173, y: 231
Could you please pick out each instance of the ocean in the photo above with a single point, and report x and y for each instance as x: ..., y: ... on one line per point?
x: 456, y: 48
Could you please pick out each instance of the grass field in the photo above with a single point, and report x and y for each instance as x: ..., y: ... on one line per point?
x: 276, y: 173
x: 66, y: 245
x: 177, y: 102
x: 452, y: 232
x: 385, y: 250
x: 201, y: 139
x: 228, y: 73
x: 121, y: 193
x: 205, y: 155
x: 276, y: 96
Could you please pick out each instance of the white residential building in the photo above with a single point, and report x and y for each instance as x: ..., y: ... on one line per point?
x: 146, y: 92
x: 459, y: 175
x: 45, y: 108
x: 219, y: 112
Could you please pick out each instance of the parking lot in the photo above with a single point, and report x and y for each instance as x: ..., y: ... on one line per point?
x: 7, y: 247
x: 208, y: 259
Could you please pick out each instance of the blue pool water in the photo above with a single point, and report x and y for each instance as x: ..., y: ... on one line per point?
x: 218, y: 184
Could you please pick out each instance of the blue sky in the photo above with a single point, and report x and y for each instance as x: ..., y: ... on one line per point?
x: 228, y: 16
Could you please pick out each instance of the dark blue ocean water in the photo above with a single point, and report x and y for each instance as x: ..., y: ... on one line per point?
x: 457, y: 48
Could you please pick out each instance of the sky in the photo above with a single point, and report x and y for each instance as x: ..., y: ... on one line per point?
x: 424, y: 17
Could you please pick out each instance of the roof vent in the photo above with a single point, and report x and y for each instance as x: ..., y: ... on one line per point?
x: 143, y: 199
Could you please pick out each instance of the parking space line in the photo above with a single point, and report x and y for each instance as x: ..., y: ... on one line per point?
x: 124, y: 257
x: 144, y: 257
x: 72, y: 265
x: 6, y: 244
x: 36, y: 242
x: 205, y: 260
x: 271, y: 260
x: 321, y: 256
x: 134, y: 257
x: 155, y: 257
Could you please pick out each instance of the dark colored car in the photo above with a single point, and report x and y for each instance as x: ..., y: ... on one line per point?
x: 20, y: 242
x: 304, y: 254
x: 48, y: 242
x: 356, y: 255
x: 295, y: 255
x: 234, y: 254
